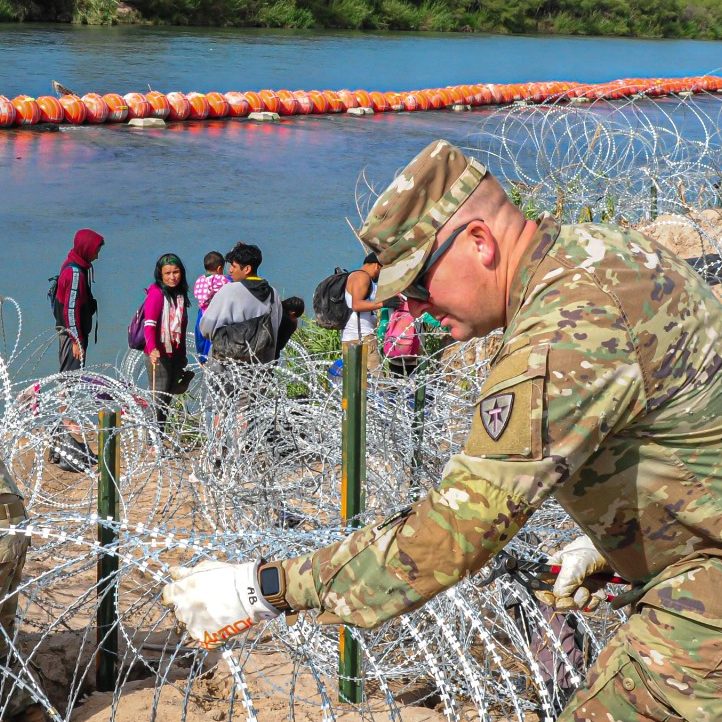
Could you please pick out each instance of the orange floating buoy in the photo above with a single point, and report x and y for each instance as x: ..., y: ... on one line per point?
x: 199, y: 106
x: 379, y: 102
x: 7, y: 112
x: 26, y: 110
x: 456, y: 93
x: 180, y: 108
x: 446, y: 97
x: 73, y: 108
x: 319, y: 104
x: 287, y: 103
x: 363, y: 98
x: 96, y: 109
x: 334, y: 103
x: 410, y: 102
x: 218, y: 105
x: 394, y: 101
x: 50, y: 109
x: 159, y: 105
x: 305, y: 106
x: 238, y: 106
x: 348, y: 99
x: 435, y: 99
x: 270, y: 101
x: 117, y: 107
x: 254, y: 100
x: 138, y: 106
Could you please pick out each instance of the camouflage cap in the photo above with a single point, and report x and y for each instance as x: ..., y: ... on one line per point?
x: 402, y: 225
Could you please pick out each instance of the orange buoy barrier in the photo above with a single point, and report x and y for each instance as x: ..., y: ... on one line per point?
x: 363, y: 98
x: 199, y: 106
x: 73, y: 108
x: 27, y: 111
x: 254, y: 100
x: 270, y: 101
x: 287, y: 103
x: 7, y: 112
x: 117, y: 107
x: 319, y: 104
x: 50, y: 109
x: 218, y: 106
x: 180, y: 107
x: 305, y: 106
x: 348, y: 99
x: 96, y: 109
x: 93, y: 108
x: 159, y: 105
x: 379, y: 102
x: 238, y: 106
x: 334, y: 103
x: 138, y: 106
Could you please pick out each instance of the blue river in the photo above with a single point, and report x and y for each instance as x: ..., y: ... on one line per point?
x: 195, y: 187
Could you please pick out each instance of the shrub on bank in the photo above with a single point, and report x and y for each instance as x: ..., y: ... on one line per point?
x: 632, y: 18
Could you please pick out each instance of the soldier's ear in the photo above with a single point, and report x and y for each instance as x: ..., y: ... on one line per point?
x: 485, y: 243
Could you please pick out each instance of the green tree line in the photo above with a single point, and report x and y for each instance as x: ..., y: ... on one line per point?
x: 632, y: 18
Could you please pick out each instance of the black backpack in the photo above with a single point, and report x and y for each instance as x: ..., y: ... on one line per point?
x: 329, y: 301
x: 251, y: 340
x: 53, y: 288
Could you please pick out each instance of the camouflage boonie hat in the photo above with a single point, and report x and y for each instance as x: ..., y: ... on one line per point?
x: 401, y: 227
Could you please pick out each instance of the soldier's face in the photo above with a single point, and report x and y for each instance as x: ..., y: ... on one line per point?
x: 462, y: 285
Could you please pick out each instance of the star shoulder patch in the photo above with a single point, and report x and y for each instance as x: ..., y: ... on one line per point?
x: 495, y: 413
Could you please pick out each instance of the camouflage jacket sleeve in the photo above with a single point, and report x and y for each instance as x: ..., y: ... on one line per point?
x: 565, y: 378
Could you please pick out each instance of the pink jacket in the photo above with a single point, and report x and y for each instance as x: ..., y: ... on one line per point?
x: 153, y: 318
x: 206, y: 287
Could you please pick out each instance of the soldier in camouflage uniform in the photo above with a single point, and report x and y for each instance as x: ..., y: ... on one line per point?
x: 15, y: 704
x: 606, y: 392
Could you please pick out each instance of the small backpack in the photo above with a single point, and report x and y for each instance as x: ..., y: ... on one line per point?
x: 53, y: 288
x: 401, y: 339
x: 251, y: 340
x: 136, y: 329
x: 329, y: 301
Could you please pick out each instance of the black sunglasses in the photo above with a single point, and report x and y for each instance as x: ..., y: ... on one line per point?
x: 417, y: 288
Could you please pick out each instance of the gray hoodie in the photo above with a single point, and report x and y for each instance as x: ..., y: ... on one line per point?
x: 240, y: 301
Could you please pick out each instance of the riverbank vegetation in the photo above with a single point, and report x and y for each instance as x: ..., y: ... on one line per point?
x: 632, y: 18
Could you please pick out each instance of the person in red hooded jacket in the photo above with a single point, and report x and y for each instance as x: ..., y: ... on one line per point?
x: 74, y: 305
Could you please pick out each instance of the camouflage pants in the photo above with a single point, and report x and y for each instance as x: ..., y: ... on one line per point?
x: 659, y: 667
x: 13, y: 549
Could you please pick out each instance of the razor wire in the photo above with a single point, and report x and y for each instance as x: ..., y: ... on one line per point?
x: 248, y: 465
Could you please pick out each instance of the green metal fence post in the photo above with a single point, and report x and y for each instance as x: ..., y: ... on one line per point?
x: 418, y: 426
x: 353, y: 480
x: 653, y: 209
x: 106, y: 669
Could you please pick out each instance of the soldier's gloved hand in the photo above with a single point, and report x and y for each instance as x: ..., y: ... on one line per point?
x: 572, y: 588
x: 216, y: 601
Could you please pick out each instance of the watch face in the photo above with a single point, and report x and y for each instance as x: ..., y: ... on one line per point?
x: 270, y: 582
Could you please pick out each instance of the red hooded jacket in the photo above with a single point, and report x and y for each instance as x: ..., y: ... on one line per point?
x: 74, y: 302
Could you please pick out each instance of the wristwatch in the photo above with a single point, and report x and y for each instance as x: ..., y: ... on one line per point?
x: 272, y: 582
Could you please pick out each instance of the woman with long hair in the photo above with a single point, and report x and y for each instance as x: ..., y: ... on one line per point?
x: 166, y: 319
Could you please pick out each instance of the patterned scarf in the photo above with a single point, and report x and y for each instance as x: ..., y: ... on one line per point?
x: 171, y: 325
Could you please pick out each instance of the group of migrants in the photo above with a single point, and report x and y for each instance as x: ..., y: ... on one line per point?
x: 605, y: 393
x: 235, y: 301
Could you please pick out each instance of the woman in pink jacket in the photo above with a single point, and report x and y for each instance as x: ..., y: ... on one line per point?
x: 166, y: 319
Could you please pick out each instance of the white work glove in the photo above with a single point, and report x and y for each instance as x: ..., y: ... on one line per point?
x: 579, y: 560
x: 216, y: 601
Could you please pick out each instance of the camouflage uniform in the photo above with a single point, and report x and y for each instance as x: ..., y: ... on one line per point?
x: 13, y: 549
x: 607, y: 393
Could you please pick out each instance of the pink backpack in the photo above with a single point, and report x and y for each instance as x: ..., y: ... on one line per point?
x: 401, y: 339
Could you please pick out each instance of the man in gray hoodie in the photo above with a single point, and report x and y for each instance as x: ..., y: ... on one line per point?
x: 248, y: 297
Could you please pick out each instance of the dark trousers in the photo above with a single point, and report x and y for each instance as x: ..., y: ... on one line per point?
x: 162, y: 377
x: 67, y: 361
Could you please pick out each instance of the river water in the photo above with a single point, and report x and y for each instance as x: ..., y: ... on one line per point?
x: 195, y: 187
